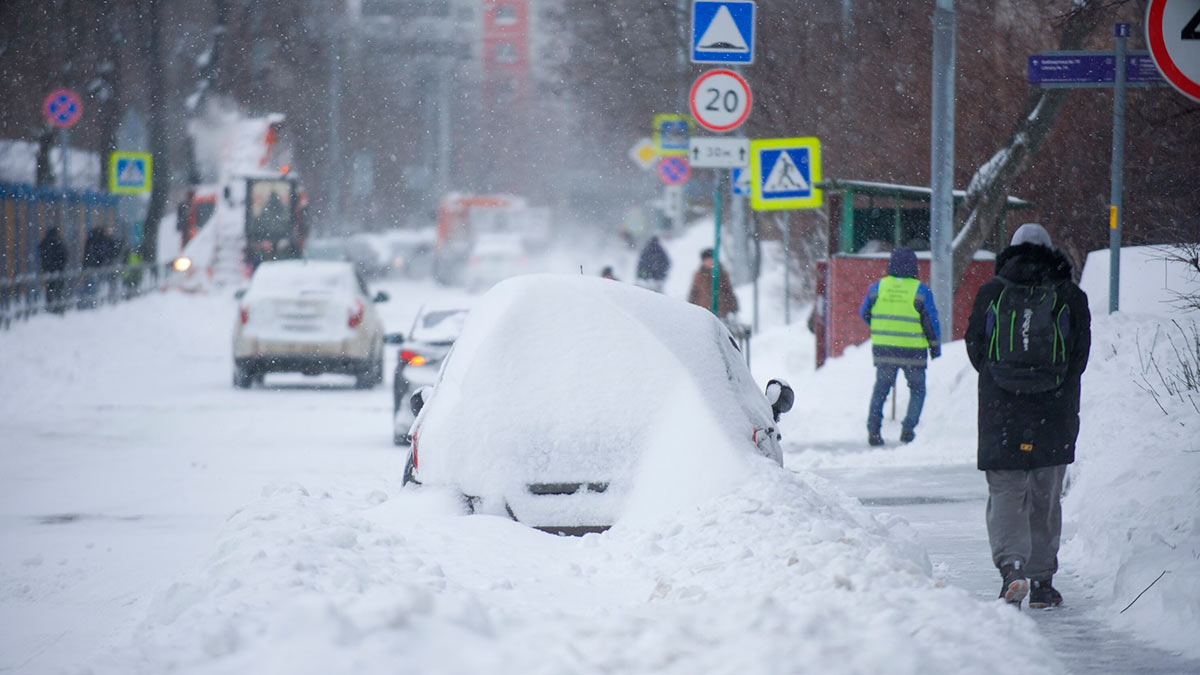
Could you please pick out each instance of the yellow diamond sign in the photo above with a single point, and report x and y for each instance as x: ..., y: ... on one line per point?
x: 643, y: 153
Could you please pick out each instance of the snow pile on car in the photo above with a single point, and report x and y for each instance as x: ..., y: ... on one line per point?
x: 562, y: 379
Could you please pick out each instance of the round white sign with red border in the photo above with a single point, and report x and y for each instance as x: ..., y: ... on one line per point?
x: 720, y: 100
x: 1173, y: 34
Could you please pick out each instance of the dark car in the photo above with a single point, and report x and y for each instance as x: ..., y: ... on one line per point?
x: 433, y: 333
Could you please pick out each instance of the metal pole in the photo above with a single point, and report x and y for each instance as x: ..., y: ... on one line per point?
x: 716, y: 268
x: 335, y: 123
x: 784, y: 223
x: 941, y: 207
x: 757, y: 270
x: 66, y: 162
x: 1118, y: 165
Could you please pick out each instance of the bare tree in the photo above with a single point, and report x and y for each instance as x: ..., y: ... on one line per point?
x: 987, y: 192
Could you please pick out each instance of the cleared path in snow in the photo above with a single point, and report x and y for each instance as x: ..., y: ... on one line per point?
x: 945, y: 505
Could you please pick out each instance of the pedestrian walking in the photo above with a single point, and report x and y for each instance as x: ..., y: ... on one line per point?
x: 702, y: 287
x: 904, y: 327
x: 653, y: 265
x: 52, y: 260
x: 1028, y: 336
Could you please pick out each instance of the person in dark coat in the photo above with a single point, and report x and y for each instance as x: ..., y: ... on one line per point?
x: 1026, y: 440
x: 701, y: 292
x: 653, y: 265
x: 52, y: 258
x: 904, y: 327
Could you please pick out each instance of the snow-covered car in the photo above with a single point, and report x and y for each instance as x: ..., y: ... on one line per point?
x: 433, y: 332
x: 557, y: 388
x: 308, y: 316
x: 495, y: 257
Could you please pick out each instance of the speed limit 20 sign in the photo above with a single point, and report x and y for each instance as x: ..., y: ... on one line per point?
x: 720, y: 100
x: 1173, y: 34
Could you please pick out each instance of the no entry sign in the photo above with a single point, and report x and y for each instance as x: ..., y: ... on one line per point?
x: 1173, y: 34
x: 720, y: 100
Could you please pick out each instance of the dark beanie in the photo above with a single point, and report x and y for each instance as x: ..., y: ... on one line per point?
x: 903, y: 263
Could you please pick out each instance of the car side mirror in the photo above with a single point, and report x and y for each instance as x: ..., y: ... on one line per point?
x: 394, y: 338
x: 382, y: 297
x: 419, y: 398
x: 781, y: 397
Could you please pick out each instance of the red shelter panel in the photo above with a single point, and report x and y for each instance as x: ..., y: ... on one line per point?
x: 843, y: 280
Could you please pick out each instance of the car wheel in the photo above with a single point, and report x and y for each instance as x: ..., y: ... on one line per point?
x: 372, y: 376
x: 242, y: 378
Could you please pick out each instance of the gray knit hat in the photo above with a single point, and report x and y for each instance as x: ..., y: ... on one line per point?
x: 1032, y: 233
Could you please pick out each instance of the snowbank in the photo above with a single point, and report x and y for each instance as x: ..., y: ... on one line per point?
x: 1134, y: 493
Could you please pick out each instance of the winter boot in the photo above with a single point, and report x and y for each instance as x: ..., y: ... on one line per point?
x: 1016, y: 586
x: 873, y: 438
x: 1042, y: 595
x: 907, y: 435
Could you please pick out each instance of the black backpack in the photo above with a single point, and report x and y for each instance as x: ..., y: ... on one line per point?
x: 1027, y: 331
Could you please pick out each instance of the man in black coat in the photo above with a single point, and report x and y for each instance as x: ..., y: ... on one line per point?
x: 52, y: 257
x: 653, y: 265
x: 1026, y: 440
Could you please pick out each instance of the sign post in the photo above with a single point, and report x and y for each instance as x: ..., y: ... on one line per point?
x: 1118, y: 69
x: 62, y: 108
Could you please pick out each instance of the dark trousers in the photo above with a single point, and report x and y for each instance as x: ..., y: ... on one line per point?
x: 885, y: 377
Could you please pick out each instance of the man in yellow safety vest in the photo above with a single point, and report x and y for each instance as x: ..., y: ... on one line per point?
x: 904, y: 326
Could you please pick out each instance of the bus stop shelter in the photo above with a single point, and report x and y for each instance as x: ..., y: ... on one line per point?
x: 867, y: 220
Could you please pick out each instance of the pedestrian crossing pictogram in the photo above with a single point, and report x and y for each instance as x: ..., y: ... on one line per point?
x: 784, y: 173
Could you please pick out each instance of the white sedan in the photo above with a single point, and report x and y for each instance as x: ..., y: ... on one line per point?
x: 559, y: 386
x: 308, y: 316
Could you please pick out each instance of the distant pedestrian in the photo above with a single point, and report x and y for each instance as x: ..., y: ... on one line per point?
x: 904, y: 327
x: 1028, y: 336
x: 702, y: 287
x: 653, y: 265
x: 607, y: 273
x: 52, y: 260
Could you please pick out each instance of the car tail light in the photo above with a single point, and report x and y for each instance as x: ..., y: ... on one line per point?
x: 356, y: 317
x: 522, y: 260
x: 412, y: 358
x: 244, y: 314
x: 416, y: 463
x: 474, y: 260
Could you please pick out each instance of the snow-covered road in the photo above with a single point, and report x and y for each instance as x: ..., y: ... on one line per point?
x: 153, y: 519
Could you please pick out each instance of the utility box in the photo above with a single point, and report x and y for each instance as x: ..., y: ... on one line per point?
x: 861, y: 237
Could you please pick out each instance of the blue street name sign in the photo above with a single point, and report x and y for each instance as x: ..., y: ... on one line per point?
x: 1091, y: 69
x: 723, y: 31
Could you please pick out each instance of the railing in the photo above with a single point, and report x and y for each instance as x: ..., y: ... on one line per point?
x: 27, y: 295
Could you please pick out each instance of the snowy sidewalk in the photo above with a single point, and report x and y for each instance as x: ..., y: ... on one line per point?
x: 945, y: 505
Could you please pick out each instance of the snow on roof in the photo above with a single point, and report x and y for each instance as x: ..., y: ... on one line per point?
x: 906, y: 191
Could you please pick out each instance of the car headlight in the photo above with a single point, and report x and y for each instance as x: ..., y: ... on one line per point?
x: 181, y: 264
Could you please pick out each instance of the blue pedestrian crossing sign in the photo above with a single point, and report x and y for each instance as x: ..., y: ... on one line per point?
x: 723, y: 31
x: 784, y: 173
x: 741, y: 182
x: 130, y: 173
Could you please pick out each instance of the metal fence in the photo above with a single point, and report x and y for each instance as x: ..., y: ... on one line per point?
x: 26, y: 214
x: 27, y: 295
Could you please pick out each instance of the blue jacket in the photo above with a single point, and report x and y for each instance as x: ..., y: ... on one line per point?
x: 929, y: 325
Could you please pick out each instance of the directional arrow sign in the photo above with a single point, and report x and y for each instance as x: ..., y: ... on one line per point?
x: 719, y: 153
